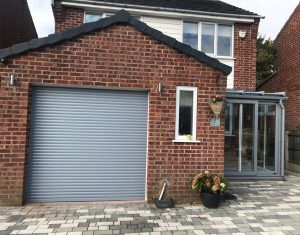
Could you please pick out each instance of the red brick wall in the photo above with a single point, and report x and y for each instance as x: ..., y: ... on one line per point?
x: 123, y: 57
x: 288, y: 75
x: 244, y: 49
x: 66, y: 18
x: 245, y: 56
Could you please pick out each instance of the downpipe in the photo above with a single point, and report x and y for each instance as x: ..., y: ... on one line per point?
x: 282, y: 136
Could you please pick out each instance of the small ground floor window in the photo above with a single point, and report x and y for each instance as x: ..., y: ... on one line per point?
x: 186, y: 113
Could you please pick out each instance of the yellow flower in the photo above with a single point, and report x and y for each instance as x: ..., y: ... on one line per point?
x: 223, y: 185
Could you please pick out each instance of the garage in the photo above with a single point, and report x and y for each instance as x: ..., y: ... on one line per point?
x: 91, y: 114
x: 87, y: 145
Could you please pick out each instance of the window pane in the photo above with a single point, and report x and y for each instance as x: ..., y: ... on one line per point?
x: 186, y: 113
x: 224, y: 40
x: 208, y: 38
x: 92, y: 17
x: 228, y: 117
x: 190, y: 34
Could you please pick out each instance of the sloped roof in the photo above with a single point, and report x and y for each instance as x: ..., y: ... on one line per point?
x: 209, y: 6
x: 122, y: 17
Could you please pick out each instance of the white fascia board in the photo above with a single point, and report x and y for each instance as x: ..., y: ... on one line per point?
x: 159, y: 12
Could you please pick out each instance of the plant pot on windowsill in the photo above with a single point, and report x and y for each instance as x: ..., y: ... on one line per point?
x: 216, y: 104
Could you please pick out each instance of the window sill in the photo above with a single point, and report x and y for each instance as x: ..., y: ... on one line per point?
x: 187, y: 141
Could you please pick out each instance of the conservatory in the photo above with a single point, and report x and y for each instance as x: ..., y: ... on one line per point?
x: 254, y: 134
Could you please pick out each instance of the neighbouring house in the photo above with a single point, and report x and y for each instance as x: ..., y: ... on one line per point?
x: 16, y: 24
x: 287, y: 75
x: 110, y: 109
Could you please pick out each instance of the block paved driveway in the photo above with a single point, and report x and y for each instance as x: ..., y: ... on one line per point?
x: 264, y: 207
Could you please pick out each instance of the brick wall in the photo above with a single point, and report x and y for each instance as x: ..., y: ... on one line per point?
x: 66, y: 18
x: 288, y: 76
x: 119, y: 56
x: 245, y: 56
x: 244, y: 49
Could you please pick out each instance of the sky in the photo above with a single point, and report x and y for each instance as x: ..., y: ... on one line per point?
x: 276, y: 13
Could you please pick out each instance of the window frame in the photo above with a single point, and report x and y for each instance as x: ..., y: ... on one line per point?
x: 102, y: 14
x: 182, y: 138
x: 232, y: 40
x: 215, y: 54
x: 198, y: 31
x: 215, y: 42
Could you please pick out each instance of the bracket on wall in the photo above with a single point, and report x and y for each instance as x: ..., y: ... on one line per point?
x: 218, y: 78
x: 159, y: 87
x: 12, y: 81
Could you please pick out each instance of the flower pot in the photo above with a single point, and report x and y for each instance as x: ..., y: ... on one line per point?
x: 216, y: 108
x: 210, y: 200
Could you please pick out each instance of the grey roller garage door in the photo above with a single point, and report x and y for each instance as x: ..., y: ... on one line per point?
x: 87, y: 145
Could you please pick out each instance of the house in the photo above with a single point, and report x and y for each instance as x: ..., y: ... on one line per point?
x: 288, y: 72
x: 110, y: 109
x: 16, y: 24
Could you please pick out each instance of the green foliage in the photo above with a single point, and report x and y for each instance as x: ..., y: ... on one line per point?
x: 266, y: 58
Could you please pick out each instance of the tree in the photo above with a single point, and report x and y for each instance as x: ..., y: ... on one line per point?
x: 266, y: 58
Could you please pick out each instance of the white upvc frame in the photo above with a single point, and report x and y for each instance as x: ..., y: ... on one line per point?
x: 182, y: 138
x: 215, y: 54
x: 215, y: 41
x: 198, y: 31
x: 102, y: 14
x: 232, y: 41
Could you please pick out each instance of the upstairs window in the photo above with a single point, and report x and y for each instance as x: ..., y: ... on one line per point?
x: 88, y: 17
x: 211, y: 38
x: 224, y: 40
x: 92, y: 17
x: 208, y: 38
x: 190, y: 34
x: 186, y: 113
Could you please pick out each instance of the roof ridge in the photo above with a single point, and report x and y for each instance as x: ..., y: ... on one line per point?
x: 121, y: 17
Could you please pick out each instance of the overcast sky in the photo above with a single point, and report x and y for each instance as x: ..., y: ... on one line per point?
x: 276, y: 12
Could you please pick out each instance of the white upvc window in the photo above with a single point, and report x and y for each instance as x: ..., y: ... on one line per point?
x: 208, y: 38
x: 190, y: 34
x: 224, y: 40
x: 94, y: 16
x: 211, y: 38
x: 186, y: 114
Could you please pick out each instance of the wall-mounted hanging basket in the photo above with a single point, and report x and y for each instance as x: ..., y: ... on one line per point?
x: 216, y: 107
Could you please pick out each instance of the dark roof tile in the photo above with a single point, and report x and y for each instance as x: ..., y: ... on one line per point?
x: 213, y: 6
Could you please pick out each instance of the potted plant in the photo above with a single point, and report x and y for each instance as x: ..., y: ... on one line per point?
x: 216, y: 104
x: 210, y: 187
